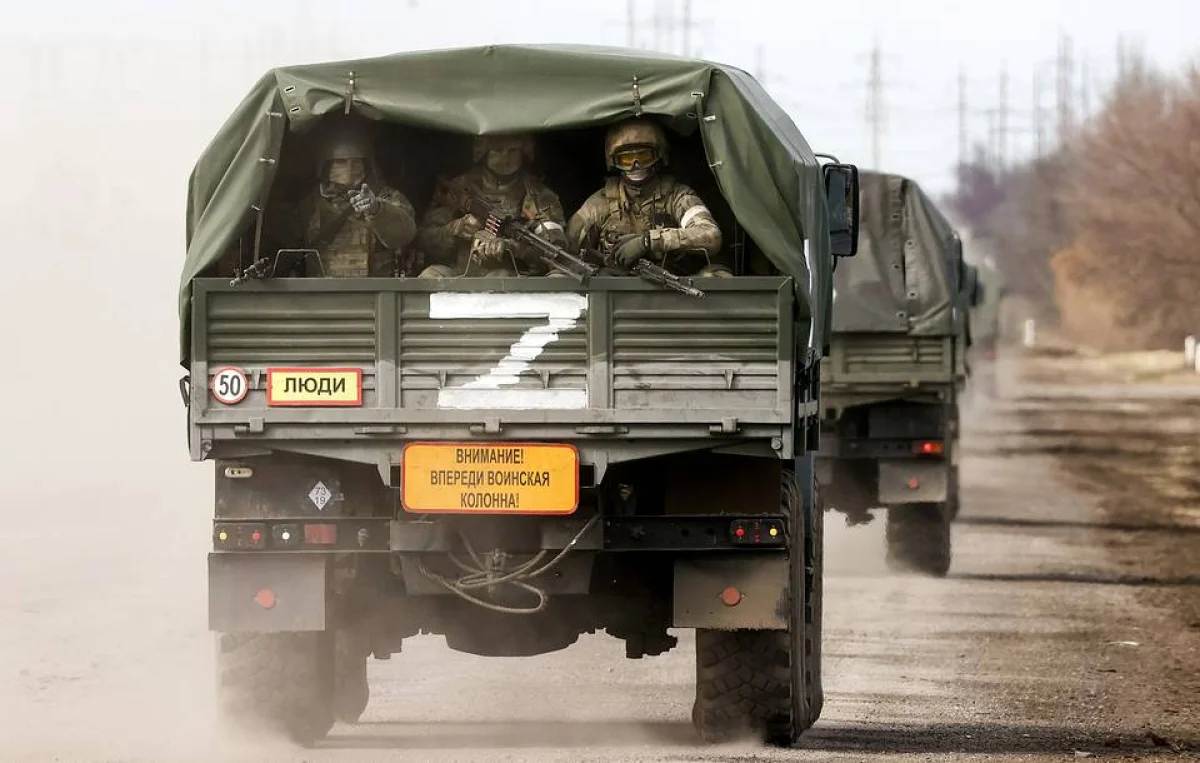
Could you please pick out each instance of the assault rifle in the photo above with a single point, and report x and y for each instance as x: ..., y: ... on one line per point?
x: 286, y: 262
x: 546, y: 252
x: 655, y: 274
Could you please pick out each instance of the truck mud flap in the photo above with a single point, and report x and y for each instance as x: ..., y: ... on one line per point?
x: 732, y: 593
x: 913, y: 481
x: 262, y: 593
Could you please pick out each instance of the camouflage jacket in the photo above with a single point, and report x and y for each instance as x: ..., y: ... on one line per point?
x: 525, y: 197
x: 360, y: 246
x: 614, y: 212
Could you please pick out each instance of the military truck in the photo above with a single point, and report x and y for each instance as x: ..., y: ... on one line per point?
x: 513, y: 462
x: 890, y: 384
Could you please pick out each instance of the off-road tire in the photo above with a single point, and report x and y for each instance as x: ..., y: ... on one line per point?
x: 954, y: 499
x: 918, y: 539
x: 277, y: 683
x: 814, y: 614
x: 765, y: 685
x: 743, y: 685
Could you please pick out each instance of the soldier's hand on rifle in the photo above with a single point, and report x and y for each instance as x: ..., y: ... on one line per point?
x: 487, y: 246
x: 364, y: 201
x: 631, y: 248
x: 465, y: 227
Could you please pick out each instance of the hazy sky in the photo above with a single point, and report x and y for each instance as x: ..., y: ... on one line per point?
x: 108, y: 105
x: 814, y: 55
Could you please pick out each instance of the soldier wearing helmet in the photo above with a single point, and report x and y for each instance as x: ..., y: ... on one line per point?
x: 644, y: 211
x: 358, y: 223
x: 454, y: 240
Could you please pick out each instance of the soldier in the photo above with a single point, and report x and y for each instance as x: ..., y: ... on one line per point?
x: 455, y: 241
x: 645, y: 212
x: 358, y: 223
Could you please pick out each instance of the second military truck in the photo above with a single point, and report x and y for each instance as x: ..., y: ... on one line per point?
x: 513, y: 462
x: 890, y: 384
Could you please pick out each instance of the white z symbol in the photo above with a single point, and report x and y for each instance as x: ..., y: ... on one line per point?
x: 562, y: 312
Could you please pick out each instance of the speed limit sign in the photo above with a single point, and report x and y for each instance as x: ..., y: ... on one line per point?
x: 229, y: 386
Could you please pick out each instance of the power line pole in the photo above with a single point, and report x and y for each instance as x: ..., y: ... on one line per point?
x: 1002, y: 121
x: 1065, y: 89
x: 875, y: 108
x: 1085, y: 105
x: 963, y: 137
x: 1038, y: 135
x: 687, y: 27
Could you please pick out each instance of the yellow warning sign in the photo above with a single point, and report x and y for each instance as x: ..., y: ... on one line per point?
x: 314, y: 386
x: 486, y: 478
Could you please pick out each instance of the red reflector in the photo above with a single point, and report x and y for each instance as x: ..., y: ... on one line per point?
x: 740, y: 532
x: 913, y: 483
x: 256, y: 536
x: 731, y: 597
x: 265, y: 598
x: 320, y: 535
x: 929, y: 448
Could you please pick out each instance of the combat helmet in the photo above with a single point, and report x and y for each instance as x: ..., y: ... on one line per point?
x: 483, y: 143
x: 636, y: 132
x: 344, y: 139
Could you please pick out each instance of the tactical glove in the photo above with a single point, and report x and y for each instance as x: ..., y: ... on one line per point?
x: 488, y: 247
x: 465, y: 227
x: 631, y: 248
x: 364, y: 201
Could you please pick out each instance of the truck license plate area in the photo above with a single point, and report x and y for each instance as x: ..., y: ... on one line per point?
x: 489, y: 478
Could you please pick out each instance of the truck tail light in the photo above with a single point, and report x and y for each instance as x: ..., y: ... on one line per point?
x: 320, y: 534
x: 929, y: 448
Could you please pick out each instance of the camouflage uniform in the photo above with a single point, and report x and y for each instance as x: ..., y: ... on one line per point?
x: 363, y: 245
x: 668, y: 217
x: 370, y: 239
x: 447, y: 235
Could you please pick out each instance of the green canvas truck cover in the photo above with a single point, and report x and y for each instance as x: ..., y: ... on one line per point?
x: 764, y: 167
x: 905, y: 277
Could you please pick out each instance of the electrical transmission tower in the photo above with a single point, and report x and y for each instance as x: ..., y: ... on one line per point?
x: 1002, y: 124
x: 964, y: 138
x: 875, y: 111
x: 1065, y: 91
x: 671, y: 26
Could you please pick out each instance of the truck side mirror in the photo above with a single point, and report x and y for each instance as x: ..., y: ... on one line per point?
x: 841, y: 194
x: 974, y: 286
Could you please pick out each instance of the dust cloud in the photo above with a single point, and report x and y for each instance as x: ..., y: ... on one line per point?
x: 104, y: 650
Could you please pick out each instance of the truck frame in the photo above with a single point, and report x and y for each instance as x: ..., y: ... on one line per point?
x: 511, y: 463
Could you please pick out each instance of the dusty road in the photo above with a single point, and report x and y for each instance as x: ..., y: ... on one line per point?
x: 1070, y: 621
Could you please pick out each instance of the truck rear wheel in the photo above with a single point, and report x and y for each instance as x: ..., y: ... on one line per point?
x: 766, y: 684
x: 743, y: 685
x: 280, y: 683
x: 954, y: 500
x: 918, y: 538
